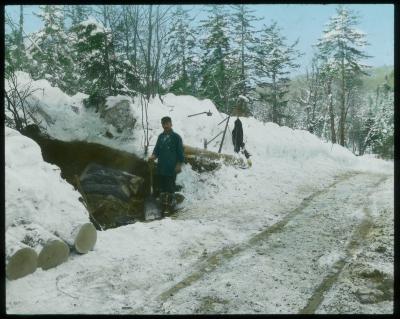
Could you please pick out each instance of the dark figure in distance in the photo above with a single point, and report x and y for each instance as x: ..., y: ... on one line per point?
x: 237, y: 138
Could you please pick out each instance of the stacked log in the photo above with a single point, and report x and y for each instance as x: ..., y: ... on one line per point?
x: 113, y: 197
x: 29, y: 246
x: 79, y: 236
x: 51, y: 250
x: 85, y: 238
x: 21, y: 260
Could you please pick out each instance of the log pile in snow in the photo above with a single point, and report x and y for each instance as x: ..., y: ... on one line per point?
x: 44, y: 217
x: 205, y: 160
x: 50, y: 249
x: 112, y: 195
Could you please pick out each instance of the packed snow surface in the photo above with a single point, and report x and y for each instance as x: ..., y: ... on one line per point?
x: 131, y: 266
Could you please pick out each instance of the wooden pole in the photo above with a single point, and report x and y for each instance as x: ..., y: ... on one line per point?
x: 223, y: 136
x: 78, y: 184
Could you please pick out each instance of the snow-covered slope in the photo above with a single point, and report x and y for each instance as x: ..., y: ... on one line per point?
x: 35, y: 190
x: 278, y: 153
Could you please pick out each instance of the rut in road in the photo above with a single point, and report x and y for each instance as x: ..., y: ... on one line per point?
x: 359, y: 235
x: 215, y: 260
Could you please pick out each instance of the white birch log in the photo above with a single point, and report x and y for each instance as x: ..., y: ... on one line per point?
x: 80, y: 236
x: 86, y: 238
x: 51, y: 250
x: 21, y: 260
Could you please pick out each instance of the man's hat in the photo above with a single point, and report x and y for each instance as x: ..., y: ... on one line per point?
x: 166, y: 119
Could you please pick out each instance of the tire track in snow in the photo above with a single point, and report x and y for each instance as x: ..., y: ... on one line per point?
x: 359, y: 235
x: 220, y: 257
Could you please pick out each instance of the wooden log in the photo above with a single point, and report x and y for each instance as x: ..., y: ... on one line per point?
x: 86, y: 238
x: 51, y: 250
x: 21, y: 260
x: 108, y: 210
x: 120, y: 191
x: 80, y: 236
x: 77, y: 235
x: 205, y: 160
x: 101, y: 179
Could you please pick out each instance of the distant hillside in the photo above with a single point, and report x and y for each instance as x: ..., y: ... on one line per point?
x: 376, y: 77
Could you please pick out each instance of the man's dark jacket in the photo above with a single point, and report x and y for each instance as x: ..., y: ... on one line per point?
x: 169, y: 151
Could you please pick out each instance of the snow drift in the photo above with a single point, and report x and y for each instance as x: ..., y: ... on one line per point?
x: 42, y: 210
x: 277, y: 152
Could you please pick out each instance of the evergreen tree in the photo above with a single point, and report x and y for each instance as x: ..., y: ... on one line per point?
x: 307, y: 94
x: 102, y: 71
x: 51, y: 54
x: 341, y: 46
x: 181, y: 45
x: 15, y: 53
x: 216, y: 82
x: 273, y: 61
x: 327, y: 75
x: 377, y: 134
x: 243, y: 46
x: 77, y: 13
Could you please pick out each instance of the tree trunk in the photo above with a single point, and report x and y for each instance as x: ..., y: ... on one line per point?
x: 126, y: 32
x: 243, y: 86
x: 135, y: 26
x: 342, y: 106
x: 20, y: 37
x: 21, y: 260
x: 107, y: 53
x: 78, y: 235
x: 156, y: 71
x: 331, y: 113
x: 148, y: 60
x: 85, y: 237
x: 81, y: 237
x: 51, y: 250
x: 274, y: 101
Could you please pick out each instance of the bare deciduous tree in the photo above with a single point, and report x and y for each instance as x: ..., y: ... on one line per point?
x: 19, y: 111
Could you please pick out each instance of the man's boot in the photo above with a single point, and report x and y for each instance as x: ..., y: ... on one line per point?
x: 170, y: 202
x: 164, y: 203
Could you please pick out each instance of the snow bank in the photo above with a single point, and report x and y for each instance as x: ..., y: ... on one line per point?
x: 263, y: 140
x: 278, y: 153
x: 35, y: 190
x: 111, y: 101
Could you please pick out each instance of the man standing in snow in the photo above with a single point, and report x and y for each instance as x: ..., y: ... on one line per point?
x: 169, y: 151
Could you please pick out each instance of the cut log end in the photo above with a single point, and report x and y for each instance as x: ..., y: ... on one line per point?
x: 86, y: 238
x: 22, y: 263
x: 54, y: 253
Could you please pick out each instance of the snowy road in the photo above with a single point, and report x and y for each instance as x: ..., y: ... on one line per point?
x: 286, y: 268
x: 332, y: 252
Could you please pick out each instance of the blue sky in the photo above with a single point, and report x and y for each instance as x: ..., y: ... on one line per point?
x: 303, y: 21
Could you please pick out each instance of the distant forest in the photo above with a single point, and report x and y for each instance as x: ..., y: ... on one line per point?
x: 151, y: 50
